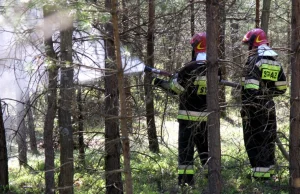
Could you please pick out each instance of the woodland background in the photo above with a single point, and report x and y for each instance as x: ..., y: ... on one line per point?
x: 73, y: 121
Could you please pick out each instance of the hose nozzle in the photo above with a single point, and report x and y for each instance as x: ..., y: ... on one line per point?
x: 157, y: 71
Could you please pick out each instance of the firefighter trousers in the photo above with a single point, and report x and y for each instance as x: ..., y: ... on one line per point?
x: 259, y: 128
x: 191, y: 134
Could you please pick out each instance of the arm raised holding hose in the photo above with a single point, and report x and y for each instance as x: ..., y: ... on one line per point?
x: 164, y: 84
x: 190, y: 84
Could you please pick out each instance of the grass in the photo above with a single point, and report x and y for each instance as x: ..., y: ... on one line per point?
x: 157, y: 173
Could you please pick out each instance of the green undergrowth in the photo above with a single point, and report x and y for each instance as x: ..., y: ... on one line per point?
x: 153, y: 173
x: 157, y: 173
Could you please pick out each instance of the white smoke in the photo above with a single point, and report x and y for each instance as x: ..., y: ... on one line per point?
x: 22, y: 64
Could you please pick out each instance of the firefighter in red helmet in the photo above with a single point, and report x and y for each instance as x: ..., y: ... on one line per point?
x: 263, y: 79
x: 190, y: 84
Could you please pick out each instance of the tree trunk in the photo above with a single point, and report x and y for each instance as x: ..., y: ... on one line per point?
x: 257, y: 14
x: 4, y: 186
x: 80, y: 127
x: 21, y: 134
x: 236, y: 58
x: 31, y: 127
x: 222, y: 54
x: 113, y: 176
x: 265, y: 14
x: 151, y: 128
x: 127, y: 81
x: 214, y: 145
x: 129, y: 104
x: 65, y: 107
x: 192, y: 5
x: 125, y: 21
x: 139, y: 78
x: 289, y: 53
x: 123, y: 113
x: 294, y: 102
x: 51, y: 102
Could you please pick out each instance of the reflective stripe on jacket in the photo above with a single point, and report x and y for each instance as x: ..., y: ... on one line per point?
x: 281, y: 85
x: 264, y: 76
x: 176, y: 87
x: 251, y: 84
x: 192, y: 115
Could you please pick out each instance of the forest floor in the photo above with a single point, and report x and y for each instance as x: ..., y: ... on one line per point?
x: 157, y: 173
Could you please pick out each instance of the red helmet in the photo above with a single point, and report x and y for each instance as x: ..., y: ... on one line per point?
x: 255, y: 37
x: 198, y: 42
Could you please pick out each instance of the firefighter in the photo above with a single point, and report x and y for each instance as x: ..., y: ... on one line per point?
x: 263, y: 79
x: 190, y: 84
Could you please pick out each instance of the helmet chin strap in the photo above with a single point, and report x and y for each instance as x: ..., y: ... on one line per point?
x: 251, y: 41
x: 193, y: 54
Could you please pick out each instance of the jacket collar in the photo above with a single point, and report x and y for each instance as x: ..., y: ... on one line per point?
x: 265, y: 50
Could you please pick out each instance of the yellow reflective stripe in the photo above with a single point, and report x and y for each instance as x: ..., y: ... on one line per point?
x: 281, y: 87
x: 152, y: 83
x: 252, y: 81
x: 270, y: 67
x: 260, y: 169
x: 264, y: 172
x: 243, y: 81
x: 191, y: 118
x: 200, y: 82
x: 192, y: 113
x: 176, y: 87
x: 251, y: 86
x: 261, y: 174
x: 186, y: 171
x: 266, y: 61
x: 280, y: 83
x: 272, y: 171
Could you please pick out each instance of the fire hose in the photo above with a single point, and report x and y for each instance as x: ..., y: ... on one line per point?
x: 157, y: 71
x: 165, y: 73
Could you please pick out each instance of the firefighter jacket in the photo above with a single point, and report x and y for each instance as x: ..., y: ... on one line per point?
x: 191, y: 86
x: 263, y: 79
